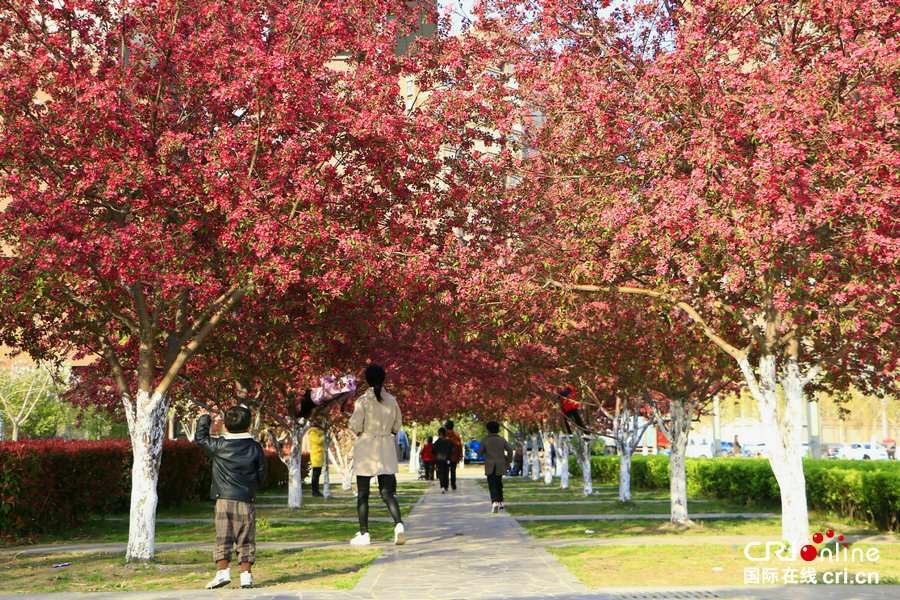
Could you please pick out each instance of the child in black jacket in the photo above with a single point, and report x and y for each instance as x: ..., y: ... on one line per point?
x: 238, y: 469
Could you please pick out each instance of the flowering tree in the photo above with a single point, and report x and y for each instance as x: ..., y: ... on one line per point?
x: 733, y: 161
x: 165, y: 161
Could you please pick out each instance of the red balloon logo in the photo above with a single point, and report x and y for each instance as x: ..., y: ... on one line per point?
x: 808, y: 552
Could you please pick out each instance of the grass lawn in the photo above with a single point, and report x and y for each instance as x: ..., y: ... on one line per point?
x: 311, y: 509
x: 636, y: 527
x: 619, y: 508
x: 181, y: 570
x: 106, y: 531
x: 704, y: 564
x: 115, y: 527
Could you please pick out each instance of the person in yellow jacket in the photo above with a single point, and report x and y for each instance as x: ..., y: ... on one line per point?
x: 316, y: 456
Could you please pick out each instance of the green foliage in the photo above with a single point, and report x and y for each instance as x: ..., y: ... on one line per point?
x: 866, y: 490
x: 49, y: 416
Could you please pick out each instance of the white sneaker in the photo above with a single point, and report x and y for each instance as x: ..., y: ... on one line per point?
x: 443, y: 490
x: 246, y: 580
x: 495, y: 507
x: 501, y: 506
x: 222, y: 578
x: 399, y: 534
x: 361, y: 539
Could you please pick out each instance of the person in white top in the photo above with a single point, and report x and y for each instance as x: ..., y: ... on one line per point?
x: 376, y: 420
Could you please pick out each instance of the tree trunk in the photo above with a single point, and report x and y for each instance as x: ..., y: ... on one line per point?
x: 564, y: 465
x: 783, y: 444
x: 326, y: 479
x: 295, y: 472
x: 15, y: 430
x: 413, y: 453
x: 535, y: 457
x: 625, y: 451
x: 548, y: 465
x: 582, y: 451
x: 680, y: 413
x: 147, y: 428
x: 526, y: 461
x: 347, y: 478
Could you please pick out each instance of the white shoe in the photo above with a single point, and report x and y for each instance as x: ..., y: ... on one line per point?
x: 361, y: 539
x: 443, y: 490
x: 399, y: 534
x: 501, y: 506
x: 495, y: 507
x: 246, y: 580
x: 222, y: 578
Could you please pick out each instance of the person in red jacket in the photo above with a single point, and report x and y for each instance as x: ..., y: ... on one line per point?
x: 569, y: 407
x: 427, y: 457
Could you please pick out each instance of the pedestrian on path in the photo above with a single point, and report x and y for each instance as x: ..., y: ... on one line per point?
x: 316, y: 456
x: 442, y: 448
x: 238, y: 469
x: 376, y: 420
x: 427, y: 456
x: 519, y: 456
x: 498, y: 455
x: 456, y: 455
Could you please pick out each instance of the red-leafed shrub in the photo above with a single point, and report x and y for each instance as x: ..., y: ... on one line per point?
x: 278, y: 471
x: 52, y: 485
x: 48, y: 485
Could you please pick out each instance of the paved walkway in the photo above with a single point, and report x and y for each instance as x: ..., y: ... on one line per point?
x: 457, y: 550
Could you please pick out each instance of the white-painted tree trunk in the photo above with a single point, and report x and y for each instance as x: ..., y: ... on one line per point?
x: 343, y: 462
x: 347, y: 477
x: 548, y: 465
x: 563, y: 448
x: 413, y: 452
x: 535, y: 458
x: 582, y: 451
x: 625, y: 451
x: 146, y: 416
x: 783, y: 428
x: 678, y: 438
x: 326, y: 471
x: 526, y: 461
x: 293, y: 463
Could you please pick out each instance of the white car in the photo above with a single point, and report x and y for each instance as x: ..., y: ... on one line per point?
x: 699, y: 448
x: 863, y: 451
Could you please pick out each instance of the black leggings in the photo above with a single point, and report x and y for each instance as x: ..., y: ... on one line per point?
x: 575, y: 417
x: 387, y: 487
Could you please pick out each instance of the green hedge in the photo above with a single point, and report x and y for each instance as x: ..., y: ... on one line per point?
x: 868, y: 490
x: 48, y: 486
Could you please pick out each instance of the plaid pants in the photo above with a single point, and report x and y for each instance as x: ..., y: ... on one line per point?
x: 235, y: 526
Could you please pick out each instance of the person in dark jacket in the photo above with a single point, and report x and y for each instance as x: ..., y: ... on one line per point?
x: 238, y: 469
x: 442, y: 448
x: 498, y: 455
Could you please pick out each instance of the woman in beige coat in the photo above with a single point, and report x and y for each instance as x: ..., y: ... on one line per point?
x: 376, y: 420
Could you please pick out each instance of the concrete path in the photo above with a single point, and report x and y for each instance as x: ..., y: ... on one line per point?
x: 657, y: 516
x: 458, y: 550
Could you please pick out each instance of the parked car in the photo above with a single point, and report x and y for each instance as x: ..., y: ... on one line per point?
x: 863, y: 451
x: 471, y: 452
x: 753, y: 450
x: 699, y: 448
x: 831, y: 450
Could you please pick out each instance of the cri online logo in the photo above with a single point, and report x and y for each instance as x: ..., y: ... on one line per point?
x: 809, y: 553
